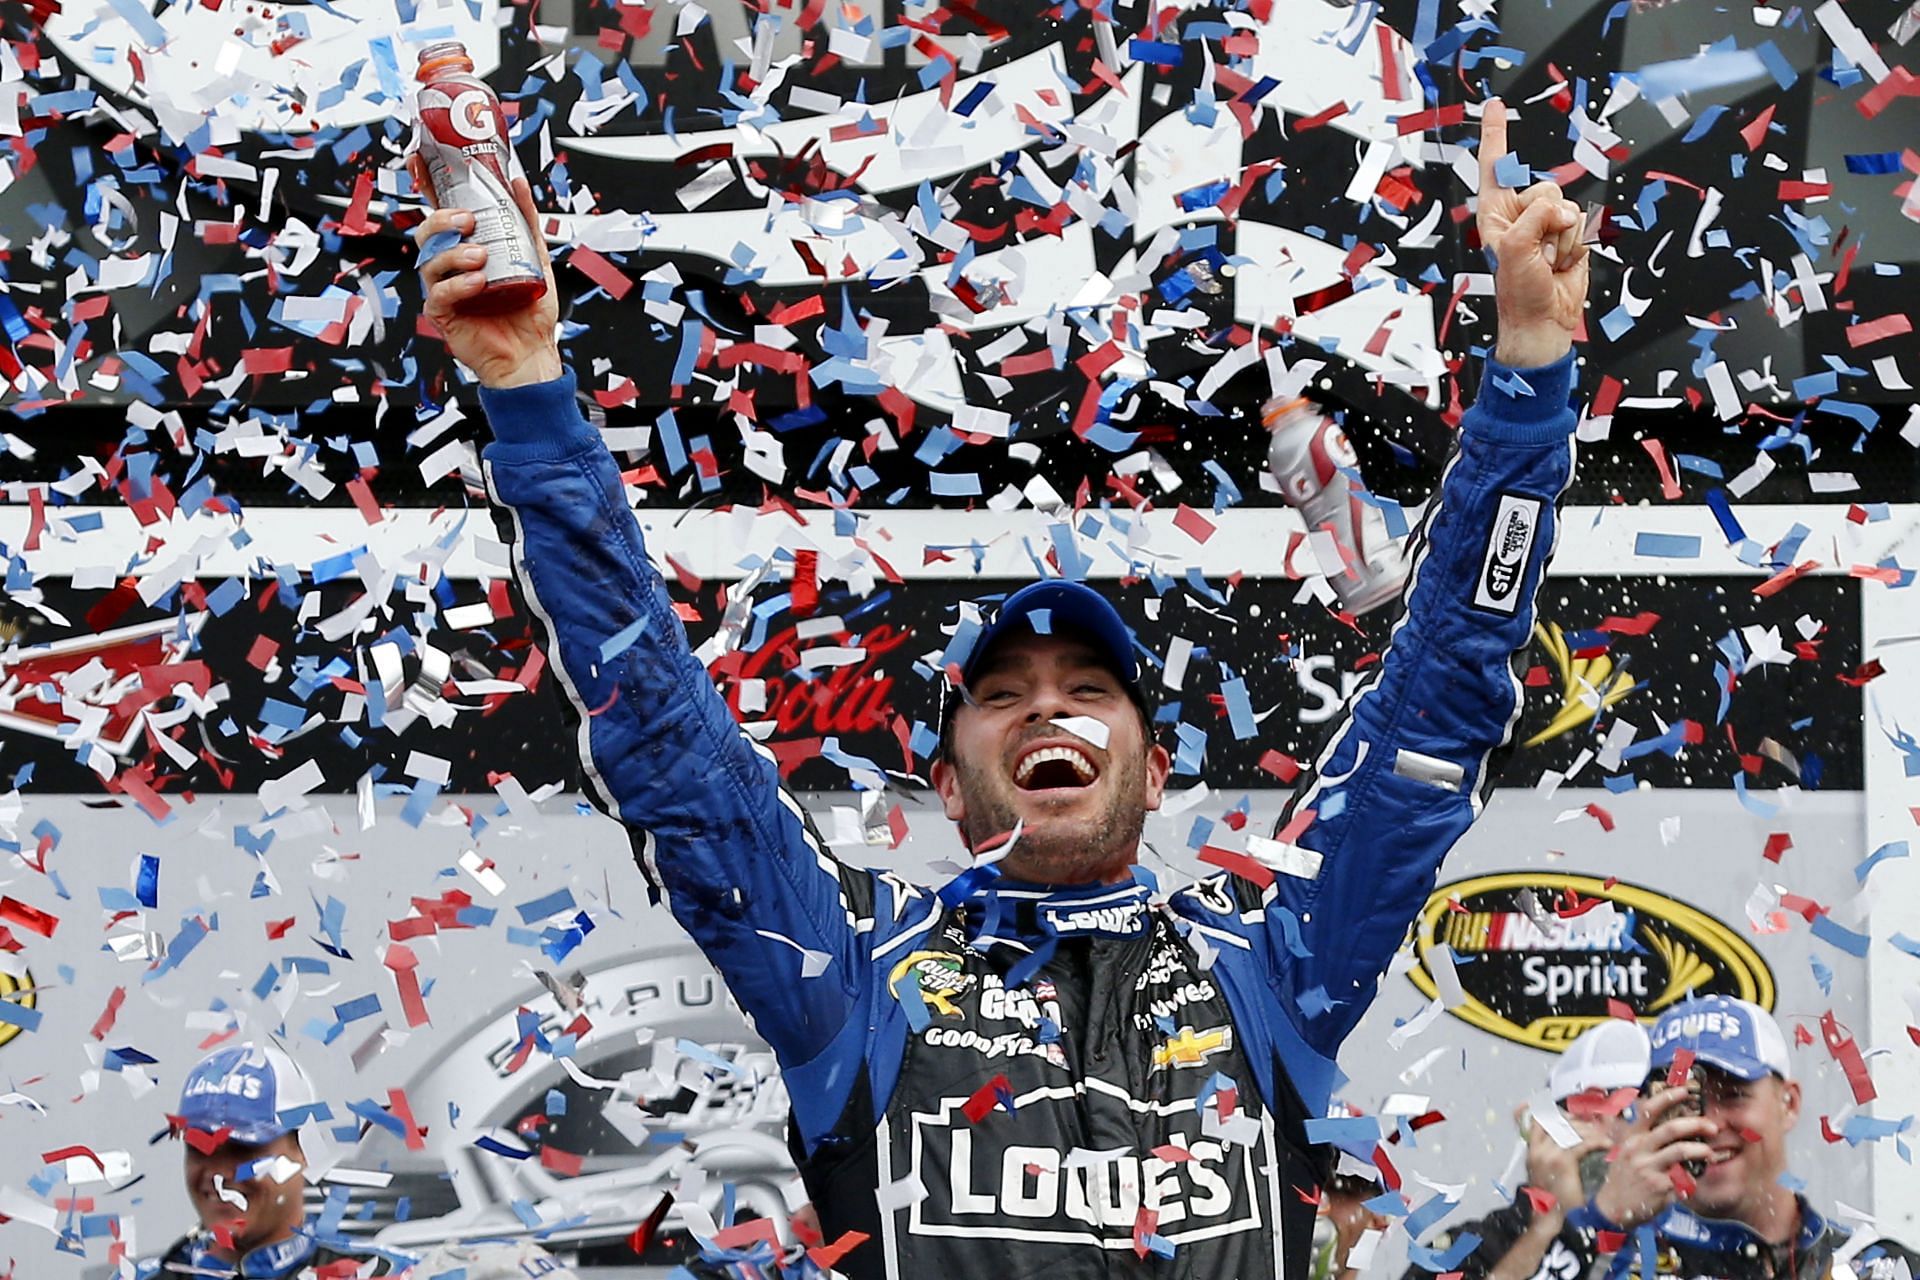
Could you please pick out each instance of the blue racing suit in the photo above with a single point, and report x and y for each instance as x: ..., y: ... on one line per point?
x: 1015, y: 1079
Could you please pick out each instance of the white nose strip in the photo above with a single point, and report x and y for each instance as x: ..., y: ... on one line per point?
x: 1086, y: 728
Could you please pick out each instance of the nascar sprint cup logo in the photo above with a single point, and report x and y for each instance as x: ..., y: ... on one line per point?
x: 1539, y: 954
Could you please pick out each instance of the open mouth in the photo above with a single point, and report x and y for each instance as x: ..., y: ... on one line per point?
x: 1055, y: 767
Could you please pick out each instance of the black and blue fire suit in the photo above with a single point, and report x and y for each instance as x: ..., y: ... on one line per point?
x: 1033, y: 1081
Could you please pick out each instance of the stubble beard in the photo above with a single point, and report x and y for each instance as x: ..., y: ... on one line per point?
x: 1059, y: 851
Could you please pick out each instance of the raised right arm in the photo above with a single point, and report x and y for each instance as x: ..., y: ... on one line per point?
x: 734, y: 856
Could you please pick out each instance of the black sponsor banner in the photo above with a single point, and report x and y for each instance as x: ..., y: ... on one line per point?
x: 1660, y: 648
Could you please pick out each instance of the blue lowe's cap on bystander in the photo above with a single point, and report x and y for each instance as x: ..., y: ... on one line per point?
x: 244, y: 1089
x: 1734, y: 1036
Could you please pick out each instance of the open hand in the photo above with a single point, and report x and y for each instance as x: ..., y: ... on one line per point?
x: 510, y: 349
x: 1640, y: 1180
x: 1540, y: 281
x: 1555, y: 1169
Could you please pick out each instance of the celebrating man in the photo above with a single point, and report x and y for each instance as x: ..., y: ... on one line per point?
x: 246, y: 1172
x: 1740, y: 1218
x: 1039, y: 1069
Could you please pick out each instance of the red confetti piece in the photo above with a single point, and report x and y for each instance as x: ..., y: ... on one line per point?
x: 64, y: 1154
x: 204, y: 1142
x: 104, y: 1023
x: 1779, y: 581
x: 1600, y: 816
x: 401, y: 960
x: 1238, y: 863
x: 1542, y: 1201
x: 403, y: 1112
x: 1778, y: 842
x: 986, y: 1098
x: 601, y: 271
x: 1319, y: 118
x: 1868, y: 670
x: 826, y: 1255
x: 567, y: 1165
x: 1437, y: 117
x: 1638, y: 625
x: 1847, y: 1053
x: 1193, y: 524
x: 32, y: 919
x: 1888, y: 326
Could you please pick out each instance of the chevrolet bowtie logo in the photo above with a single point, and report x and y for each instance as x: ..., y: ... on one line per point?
x: 1191, y: 1048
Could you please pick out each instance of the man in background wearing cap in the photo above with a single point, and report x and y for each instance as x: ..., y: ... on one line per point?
x: 1039, y: 1069
x: 1740, y: 1219
x: 246, y: 1173
x: 1592, y: 1083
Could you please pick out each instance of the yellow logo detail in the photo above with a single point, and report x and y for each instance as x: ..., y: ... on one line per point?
x: 1685, y: 969
x: 941, y: 977
x: 1481, y: 917
x: 1191, y: 1048
x: 1586, y: 684
x: 19, y: 992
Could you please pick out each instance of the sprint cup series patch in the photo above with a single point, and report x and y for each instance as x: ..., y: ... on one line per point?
x: 1503, y: 567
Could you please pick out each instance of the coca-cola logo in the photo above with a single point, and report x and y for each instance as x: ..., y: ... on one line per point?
x: 856, y: 698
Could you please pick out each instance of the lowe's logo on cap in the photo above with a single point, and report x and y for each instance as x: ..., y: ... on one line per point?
x: 1735, y: 1036
x: 244, y: 1089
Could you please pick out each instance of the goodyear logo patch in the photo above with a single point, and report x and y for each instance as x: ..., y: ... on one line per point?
x: 1539, y: 954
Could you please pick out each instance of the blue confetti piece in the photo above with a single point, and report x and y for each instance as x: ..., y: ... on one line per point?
x: 1512, y: 172
x: 1891, y: 849
x: 19, y: 1015
x: 353, y: 1010
x: 1874, y: 162
x: 1667, y: 546
x: 1839, y: 936
x: 1777, y: 65
x: 622, y: 640
x: 1155, y: 51
x: 1239, y: 708
x: 1428, y: 1215
x: 1441, y: 1263
x: 1710, y: 70
x: 550, y: 905
x: 146, y: 885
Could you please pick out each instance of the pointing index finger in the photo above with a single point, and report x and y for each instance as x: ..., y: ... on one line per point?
x: 1493, y: 143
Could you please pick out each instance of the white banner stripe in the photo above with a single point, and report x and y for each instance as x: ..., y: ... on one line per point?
x: 1595, y: 541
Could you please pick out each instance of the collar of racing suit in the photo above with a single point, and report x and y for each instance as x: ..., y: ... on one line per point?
x: 1722, y: 1235
x: 262, y: 1262
x: 1031, y: 920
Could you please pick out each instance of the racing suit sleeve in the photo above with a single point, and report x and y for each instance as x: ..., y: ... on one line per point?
x: 734, y: 856
x: 1405, y: 770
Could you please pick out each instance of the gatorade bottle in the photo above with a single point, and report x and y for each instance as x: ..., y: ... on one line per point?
x: 462, y: 135
x: 1310, y: 458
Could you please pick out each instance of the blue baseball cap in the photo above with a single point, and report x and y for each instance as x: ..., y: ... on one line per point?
x: 1734, y: 1036
x: 244, y: 1088
x: 1056, y: 605
x: 1047, y: 608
